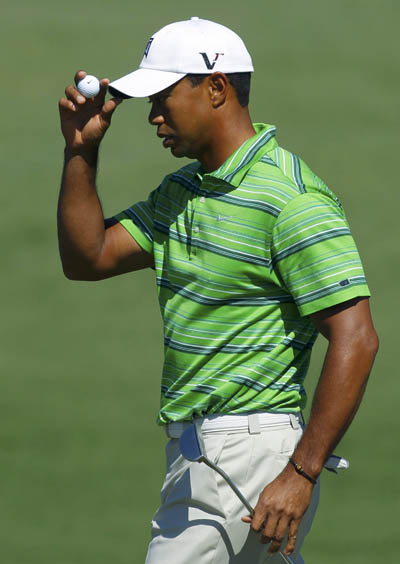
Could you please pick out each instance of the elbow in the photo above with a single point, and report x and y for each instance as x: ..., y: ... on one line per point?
x: 373, y: 343
x: 369, y: 344
x: 68, y: 271
x: 71, y: 274
x: 370, y: 350
x: 80, y: 274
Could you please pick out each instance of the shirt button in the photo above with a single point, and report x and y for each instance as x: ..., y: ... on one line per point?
x: 196, y: 229
x: 202, y: 199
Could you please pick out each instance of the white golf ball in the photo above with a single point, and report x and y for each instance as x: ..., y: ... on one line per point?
x: 89, y: 86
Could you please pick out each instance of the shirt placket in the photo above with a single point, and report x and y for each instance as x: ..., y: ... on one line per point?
x: 198, y: 204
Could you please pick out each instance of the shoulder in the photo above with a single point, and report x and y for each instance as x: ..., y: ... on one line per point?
x: 315, y: 211
x: 189, y: 172
x: 300, y: 174
x: 185, y: 177
x: 267, y: 181
x: 284, y: 177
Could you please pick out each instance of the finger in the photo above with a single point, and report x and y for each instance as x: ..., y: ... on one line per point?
x: 109, y: 108
x: 259, y: 517
x: 268, y: 531
x: 104, y: 82
x: 278, y: 536
x: 66, y: 105
x: 79, y: 75
x: 292, y: 536
x: 247, y: 519
x: 100, y: 97
x: 72, y: 94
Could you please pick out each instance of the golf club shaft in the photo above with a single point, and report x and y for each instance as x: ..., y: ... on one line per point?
x: 231, y: 484
x: 236, y: 490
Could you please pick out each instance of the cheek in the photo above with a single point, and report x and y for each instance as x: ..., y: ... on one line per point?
x: 196, y: 107
x: 196, y: 121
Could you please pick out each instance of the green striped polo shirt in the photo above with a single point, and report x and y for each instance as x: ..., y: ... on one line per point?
x: 242, y: 256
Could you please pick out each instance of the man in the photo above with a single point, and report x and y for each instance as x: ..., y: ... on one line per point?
x: 253, y: 257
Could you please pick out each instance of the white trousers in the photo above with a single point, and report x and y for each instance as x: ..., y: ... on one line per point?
x: 199, y: 521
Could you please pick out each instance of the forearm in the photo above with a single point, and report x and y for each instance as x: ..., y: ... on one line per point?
x: 80, y: 216
x: 81, y: 233
x: 338, y: 395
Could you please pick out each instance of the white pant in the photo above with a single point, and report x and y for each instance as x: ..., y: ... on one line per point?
x: 199, y: 521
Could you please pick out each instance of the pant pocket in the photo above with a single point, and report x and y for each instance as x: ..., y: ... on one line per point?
x: 235, y: 458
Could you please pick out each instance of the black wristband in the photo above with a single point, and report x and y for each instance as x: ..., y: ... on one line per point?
x: 299, y: 469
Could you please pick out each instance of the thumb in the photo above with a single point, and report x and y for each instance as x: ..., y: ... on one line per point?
x: 247, y: 519
x: 109, y: 108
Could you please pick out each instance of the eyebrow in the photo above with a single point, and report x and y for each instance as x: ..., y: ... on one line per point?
x: 161, y: 94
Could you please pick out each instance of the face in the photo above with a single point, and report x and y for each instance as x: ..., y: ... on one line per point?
x: 182, y: 115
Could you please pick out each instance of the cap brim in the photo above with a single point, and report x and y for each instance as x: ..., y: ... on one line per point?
x: 143, y: 82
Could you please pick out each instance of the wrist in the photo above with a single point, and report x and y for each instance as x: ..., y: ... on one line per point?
x: 301, y: 471
x: 89, y: 154
x: 310, y: 455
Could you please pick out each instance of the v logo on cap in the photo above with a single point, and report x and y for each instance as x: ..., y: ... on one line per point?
x: 209, y: 65
x: 146, y: 51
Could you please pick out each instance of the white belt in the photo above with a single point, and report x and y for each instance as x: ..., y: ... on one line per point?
x: 252, y: 422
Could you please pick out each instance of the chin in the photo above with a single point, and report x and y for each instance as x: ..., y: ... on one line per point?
x: 178, y: 153
x: 180, y: 150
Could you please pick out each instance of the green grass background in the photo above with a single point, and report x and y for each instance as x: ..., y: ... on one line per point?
x: 81, y: 459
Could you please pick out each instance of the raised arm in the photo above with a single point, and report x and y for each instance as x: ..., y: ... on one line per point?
x: 353, y: 344
x: 89, y: 249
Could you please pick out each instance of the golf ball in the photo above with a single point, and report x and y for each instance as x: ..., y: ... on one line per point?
x: 89, y: 86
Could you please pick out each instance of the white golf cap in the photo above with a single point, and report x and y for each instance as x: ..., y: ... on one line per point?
x: 193, y: 46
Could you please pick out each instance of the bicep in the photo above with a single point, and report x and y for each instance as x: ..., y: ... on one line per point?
x: 121, y: 253
x: 345, y: 321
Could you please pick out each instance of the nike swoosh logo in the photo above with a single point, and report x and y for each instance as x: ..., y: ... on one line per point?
x: 223, y: 217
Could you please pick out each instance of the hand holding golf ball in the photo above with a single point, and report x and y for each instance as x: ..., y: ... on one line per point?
x: 89, y: 86
x: 85, y: 114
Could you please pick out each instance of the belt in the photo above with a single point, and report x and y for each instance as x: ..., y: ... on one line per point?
x: 253, y: 423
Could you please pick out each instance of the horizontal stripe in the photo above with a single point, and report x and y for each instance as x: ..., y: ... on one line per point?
x: 212, y: 301
x: 309, y: 241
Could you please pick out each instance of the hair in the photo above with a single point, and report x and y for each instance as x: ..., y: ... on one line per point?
x: 240, y: 81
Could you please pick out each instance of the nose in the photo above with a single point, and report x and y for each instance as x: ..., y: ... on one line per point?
x: 155, y: 116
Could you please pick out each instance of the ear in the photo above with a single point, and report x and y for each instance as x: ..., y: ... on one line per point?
x: 218, y: 87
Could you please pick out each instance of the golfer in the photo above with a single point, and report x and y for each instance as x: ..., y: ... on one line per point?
x: 253, y: 257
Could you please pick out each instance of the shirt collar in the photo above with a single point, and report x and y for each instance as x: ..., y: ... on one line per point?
x: 236, y: 166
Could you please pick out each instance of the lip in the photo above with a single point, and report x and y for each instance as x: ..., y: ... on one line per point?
x: 168, y: 140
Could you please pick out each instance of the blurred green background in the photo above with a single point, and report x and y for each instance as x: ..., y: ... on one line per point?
x: 80, y: 455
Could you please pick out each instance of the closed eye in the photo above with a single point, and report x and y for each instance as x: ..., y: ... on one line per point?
x: 158, y: 99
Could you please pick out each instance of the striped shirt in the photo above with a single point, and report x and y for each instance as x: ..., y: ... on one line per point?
x: 242, y: 256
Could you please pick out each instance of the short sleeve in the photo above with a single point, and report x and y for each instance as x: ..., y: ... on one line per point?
x: 138, y: 220
x: 314, y: 254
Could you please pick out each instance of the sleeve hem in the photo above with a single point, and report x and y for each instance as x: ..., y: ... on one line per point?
x: 334, y: 299
x: 135, y: 232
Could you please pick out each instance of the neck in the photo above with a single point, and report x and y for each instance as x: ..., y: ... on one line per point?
x: 227, y: 135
